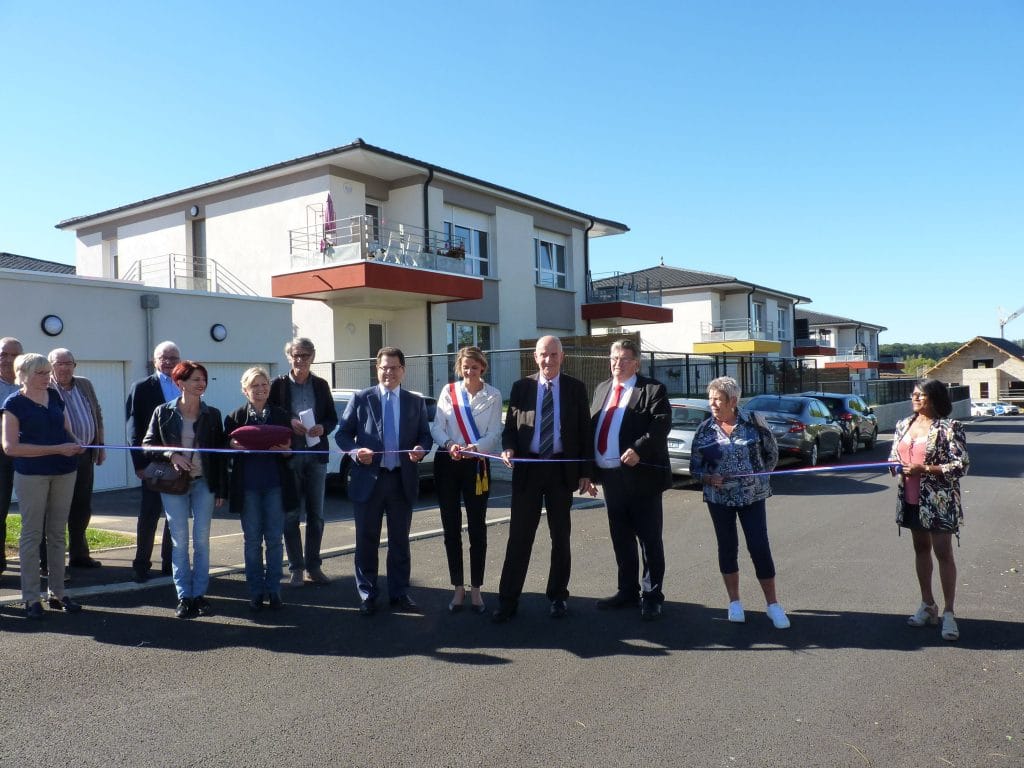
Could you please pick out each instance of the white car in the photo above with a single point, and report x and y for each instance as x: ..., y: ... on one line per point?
x: 1005, y: 409
x: 687, y: 414
x: 982, y: 408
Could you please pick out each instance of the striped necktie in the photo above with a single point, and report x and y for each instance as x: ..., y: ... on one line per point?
x: 547, y: 422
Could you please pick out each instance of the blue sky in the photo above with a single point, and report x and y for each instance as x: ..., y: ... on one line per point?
x: 867, y: 155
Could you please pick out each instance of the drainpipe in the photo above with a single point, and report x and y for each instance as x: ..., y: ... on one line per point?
x: 149, y: 302
x: 430, y: 304
x: 586, y: 263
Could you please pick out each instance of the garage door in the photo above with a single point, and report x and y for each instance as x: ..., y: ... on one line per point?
x: 108, y: 380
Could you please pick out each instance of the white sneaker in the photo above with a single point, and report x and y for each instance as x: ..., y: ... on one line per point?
x: 950, y: 631
x: 736, y: 614
x: 926, y: 614
x: 778, y: 616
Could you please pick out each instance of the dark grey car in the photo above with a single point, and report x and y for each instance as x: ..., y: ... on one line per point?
x: 803, y: 426
x: 859, y: 423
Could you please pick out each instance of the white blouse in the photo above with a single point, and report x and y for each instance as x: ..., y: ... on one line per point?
x: 485, y: 406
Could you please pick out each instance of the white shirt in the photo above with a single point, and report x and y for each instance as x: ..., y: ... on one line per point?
x: 610, y: 458
x: 485, y: 406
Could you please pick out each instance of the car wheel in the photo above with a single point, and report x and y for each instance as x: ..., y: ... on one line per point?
x: 854, y: 443
x: 870, y: 442
x: 839, y: 449
x: 812, y: 455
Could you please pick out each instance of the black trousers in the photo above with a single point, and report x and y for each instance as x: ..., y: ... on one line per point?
x: 535, y: 486
x: 455, y: 483
x: 635, y: 516
x: 6, y: 491
x: 151, y: 509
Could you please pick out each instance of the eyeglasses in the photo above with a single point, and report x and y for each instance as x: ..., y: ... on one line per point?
x: 389, y: 368
x: 918, y: 396
x: 64, y: 363
x: 300, y: 356
x: 169, y: 358
x: 621, y: 360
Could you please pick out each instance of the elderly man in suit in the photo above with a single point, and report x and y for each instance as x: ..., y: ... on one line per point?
x: 10, y: 348
x: 547, y: 422
x: 146, y: 396
x: 86, y: 417
x: 386, y: 433
x: 631, y: 419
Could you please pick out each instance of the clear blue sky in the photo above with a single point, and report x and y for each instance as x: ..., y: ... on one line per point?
x: 869, y: 155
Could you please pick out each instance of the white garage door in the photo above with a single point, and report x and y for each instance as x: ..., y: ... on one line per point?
x: 108, y: 380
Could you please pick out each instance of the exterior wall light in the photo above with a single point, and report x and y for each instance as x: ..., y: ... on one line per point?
x: 52, y: 325
x: 218, y: 332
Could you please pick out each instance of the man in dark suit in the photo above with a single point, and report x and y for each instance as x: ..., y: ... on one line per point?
x: 386, y: 433
x: 146, y: 396
x: 547, y: 419
x: 631, y: 419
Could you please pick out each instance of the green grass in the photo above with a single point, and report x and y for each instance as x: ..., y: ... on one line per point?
x: 95, y: 538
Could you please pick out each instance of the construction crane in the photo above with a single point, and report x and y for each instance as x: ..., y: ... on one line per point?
x: 1004, y: 320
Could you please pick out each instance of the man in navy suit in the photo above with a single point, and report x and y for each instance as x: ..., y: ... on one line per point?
x: 547, y: 421
x: 385, y: 432
x: 631, y: 417
x: 146, y: 396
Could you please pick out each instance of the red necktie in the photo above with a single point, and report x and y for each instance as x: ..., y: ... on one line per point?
x: 606, y: 425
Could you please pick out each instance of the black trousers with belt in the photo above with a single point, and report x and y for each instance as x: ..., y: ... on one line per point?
x: 537, y: 486
x: 635, y: 516
x: 455, y: 482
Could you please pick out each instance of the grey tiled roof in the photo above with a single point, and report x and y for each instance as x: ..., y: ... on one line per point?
x: 28, y: 264
x: 673, y: 277
x: 821, y: 318
x: 1014, y: 350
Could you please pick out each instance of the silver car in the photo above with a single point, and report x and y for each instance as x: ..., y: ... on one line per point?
x: 687, y: 414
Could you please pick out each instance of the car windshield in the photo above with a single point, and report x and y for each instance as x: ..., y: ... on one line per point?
x: 775, y: 404
x: 687, y: 418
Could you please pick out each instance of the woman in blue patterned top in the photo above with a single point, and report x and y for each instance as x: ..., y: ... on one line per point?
x: 729, y: 450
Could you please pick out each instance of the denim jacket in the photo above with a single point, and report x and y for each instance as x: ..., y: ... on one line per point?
x: 165, y: 429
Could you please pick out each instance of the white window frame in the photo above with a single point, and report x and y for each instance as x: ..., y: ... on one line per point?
x: 476, y: 263
x: 550, y: 277
x: 453, y: 342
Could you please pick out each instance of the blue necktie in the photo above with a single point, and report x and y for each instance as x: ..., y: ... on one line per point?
x: 390, y: 460
x: 547, y: 422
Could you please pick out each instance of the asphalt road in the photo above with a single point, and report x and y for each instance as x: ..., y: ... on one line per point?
x: 849, y: 684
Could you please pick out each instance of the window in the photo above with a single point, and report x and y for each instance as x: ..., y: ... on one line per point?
x: 474, y: 242
x: 982, y: 363
x: 757, y: 321
x: 550, y: 264
x: 983, y: 390
x: 825, y: 337
x: 468, y: 335
x: 781, y: 324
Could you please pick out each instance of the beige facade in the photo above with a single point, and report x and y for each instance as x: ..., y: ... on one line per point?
x: 992, y: 368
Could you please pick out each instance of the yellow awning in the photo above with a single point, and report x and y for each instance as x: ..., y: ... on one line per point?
x: 746, y: 346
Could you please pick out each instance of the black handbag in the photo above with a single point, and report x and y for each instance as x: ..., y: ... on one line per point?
x: 164, y: 477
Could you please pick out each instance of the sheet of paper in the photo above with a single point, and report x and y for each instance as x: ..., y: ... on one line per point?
x: 309, y: 420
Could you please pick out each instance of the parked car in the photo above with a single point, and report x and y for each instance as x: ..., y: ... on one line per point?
x: 803, y: 426
x: 859, y: 423
x: 982, y: 408
x: 1005, y: 409
x: 687, y: 414
x: 338, y: 466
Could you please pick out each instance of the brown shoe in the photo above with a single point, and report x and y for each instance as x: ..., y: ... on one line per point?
x: 317, y: 577
x: 296, y: 579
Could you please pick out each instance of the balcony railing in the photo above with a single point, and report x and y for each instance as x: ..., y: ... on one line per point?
x: 737, y: 329
x: 363, y: 238
x: 616, y: 286
x: 176, y: 270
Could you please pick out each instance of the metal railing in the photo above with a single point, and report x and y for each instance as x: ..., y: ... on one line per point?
x: 363, y: 238
x: 737, y: 329
x: 617, y: 286
x: 177, y: 270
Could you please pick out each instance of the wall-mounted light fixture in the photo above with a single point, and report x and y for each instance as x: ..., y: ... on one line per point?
x: 193, y: 211
x: 218, y: 332
x: 52, y: 325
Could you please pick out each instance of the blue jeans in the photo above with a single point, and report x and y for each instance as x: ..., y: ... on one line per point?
x: 310, y: 476
x: 263, y: 519
x: 191, y: 578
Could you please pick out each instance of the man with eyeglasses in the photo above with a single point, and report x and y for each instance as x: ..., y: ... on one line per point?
x: 631, y: 418
x: 385, y: 432
x: 307, y: 397
x: 10, y: 348
x: 146, y: 396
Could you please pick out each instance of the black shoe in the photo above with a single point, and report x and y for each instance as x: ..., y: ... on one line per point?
x: 558, y: 609
x: 404, y: 604
x: 202, y: 606
x: 275, y: 602
x: 167, y: 569
x: 141, y: 575
x: 368, y: 607
x: 65, y: 604
x: 184, y: 609
x: 85, y: 562
x: 503, y: 614
x: 618, y: 600
x: 34, y: 611
x: 650, y: 610
x: 256, y: 604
